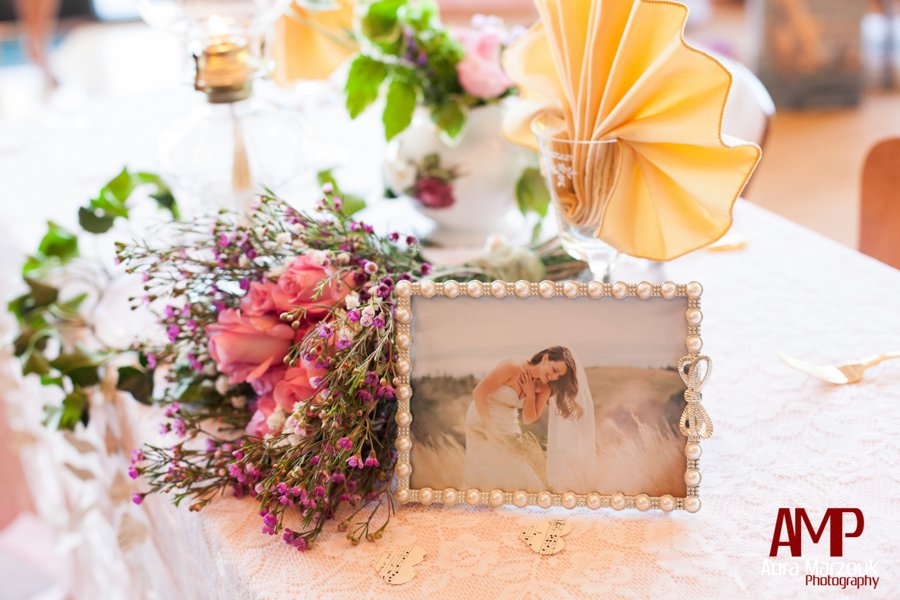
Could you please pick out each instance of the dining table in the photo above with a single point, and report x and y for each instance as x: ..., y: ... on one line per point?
x: 783, y: 440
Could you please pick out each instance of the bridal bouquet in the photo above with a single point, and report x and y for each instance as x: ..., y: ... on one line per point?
x: 273, y: 357
x: 278, y: 354
x: 410, y: 55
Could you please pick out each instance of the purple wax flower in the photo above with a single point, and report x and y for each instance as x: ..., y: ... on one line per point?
x: 345, y: 443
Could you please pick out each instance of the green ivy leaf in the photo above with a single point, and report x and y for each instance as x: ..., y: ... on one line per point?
x: 380, y: 23
x: 118, y: 189
x: 77, y: 366
x: 450, y: 118
x: 352, y: 203
x: 163, y: 194
x: 35, y: 363
x: 198, y: 394
x: 100, y: 213
x: 48, y: 380
x: 532, y: 193
x: 74, y: 409
x: 137, y: 382
x: 363, y: 83
x: 399, y: 107
x: 41, y: 293
x: 72, y: 304
x: 421, y: 15
x: 94, y: 221
x: 58, y: 243
x: 32, y: 264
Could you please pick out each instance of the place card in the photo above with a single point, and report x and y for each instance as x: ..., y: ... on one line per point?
x: 547, y: 537
x: 396, y: 566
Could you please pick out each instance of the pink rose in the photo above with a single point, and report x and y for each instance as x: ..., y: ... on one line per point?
x: 480, y: 73
x: 434, y: 192
x: 245, y: 346
x: 298, y: 384
x: 257, y: 426
x: 258, y: 300
x: 297, y: 285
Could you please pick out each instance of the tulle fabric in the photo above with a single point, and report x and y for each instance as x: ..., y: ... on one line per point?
x: 572, y: 443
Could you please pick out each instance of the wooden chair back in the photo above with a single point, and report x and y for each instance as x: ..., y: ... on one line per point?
x: 879, y: 226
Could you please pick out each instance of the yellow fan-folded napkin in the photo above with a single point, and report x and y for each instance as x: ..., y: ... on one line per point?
x: 311, y: 44
x: 622, y: 71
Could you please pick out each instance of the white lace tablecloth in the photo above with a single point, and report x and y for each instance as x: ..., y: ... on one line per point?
x: 782, y: 440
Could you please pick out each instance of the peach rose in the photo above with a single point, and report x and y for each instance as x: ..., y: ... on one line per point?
x: 258, y: 300
x: 245, y: 346
x: 297, y: 285
x: 298, y: 384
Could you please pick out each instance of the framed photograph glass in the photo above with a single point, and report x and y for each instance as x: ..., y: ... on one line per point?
x: 550, y: 394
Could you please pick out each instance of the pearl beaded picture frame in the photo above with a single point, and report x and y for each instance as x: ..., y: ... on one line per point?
x: 693, y: 368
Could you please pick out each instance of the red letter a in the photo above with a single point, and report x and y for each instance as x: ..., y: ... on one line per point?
x: 793, y: 542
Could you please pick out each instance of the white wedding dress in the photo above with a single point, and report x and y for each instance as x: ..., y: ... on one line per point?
x: 572, y: 444
x: 496, y: 456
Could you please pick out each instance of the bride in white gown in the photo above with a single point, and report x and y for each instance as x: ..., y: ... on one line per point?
x: 496, y: 448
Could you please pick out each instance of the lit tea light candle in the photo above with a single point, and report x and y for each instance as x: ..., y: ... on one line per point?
x: 224, y: 66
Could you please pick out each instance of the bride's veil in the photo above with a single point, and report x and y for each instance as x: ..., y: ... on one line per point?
x: 572, y: 442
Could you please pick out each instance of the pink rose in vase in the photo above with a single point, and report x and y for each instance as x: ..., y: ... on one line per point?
x: 434, y: 192
x: 297, y: 286
x: 480, y: 72
x: 244, y: 347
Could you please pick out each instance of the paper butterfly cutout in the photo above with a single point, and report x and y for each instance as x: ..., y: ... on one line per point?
x: 547, y: 537
x: 396, y: 566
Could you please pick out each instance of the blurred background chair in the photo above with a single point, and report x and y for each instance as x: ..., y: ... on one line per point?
x: 750, y: 108
x: 879, y: 224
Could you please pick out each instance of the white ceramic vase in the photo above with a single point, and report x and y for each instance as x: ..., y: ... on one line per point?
x: 467, y: 187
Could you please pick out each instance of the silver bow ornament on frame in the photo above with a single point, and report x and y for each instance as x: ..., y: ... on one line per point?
x: 695, y: 422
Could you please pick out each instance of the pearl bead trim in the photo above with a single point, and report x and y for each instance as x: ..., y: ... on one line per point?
x: 594, y: 290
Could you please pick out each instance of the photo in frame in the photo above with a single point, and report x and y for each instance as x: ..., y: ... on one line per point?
x: 550, y: 394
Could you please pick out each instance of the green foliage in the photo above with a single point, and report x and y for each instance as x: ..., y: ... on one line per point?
x: 380, y: 24
x: 43, y: 313
x: 101, y: 212
x: 352, y: 203
x: 138, y: 382
x: 450, y: 117
x: 57, y: 247
x: 409, y: 48
x: 533, y: 196
x: 399, y: 107
x: 363, y: 84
